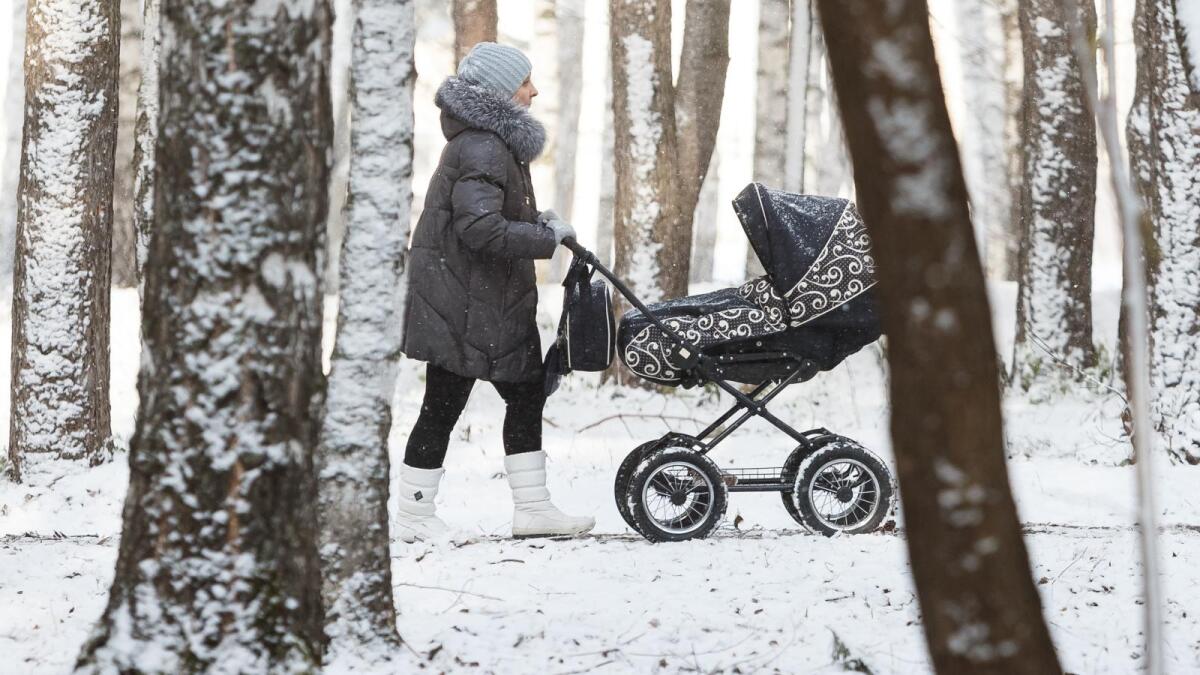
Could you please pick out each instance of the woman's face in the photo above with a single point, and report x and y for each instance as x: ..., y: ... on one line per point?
x: 525, y: 94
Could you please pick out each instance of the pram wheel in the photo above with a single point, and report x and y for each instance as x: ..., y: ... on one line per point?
x: 842, y: 487
x: 676, y: 494
x: 621, y: 483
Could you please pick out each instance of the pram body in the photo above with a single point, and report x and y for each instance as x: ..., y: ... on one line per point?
x: 812, y: 309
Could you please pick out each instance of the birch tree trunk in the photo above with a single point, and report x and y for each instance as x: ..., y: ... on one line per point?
x: 60, y: 315
x: 352, y: 457
x: 828, y: 159
x: 647, y: 203
x: 339, y: 84
x: 124, y: 232
x: 979, y: 606
x: 771, y: 111
x: 1004, y: 242
x: 10, y: 171
x: 983, y: 141
x: 1058, y: 201
x: 146, y: 132
x: 704, y: 241
x: 568, y: 19
x: 606, y: 210
x: 703, y: 63
x: 1164, y: 148
x: 799, y: 55
x: 474, y: 22
x: 218, y: 569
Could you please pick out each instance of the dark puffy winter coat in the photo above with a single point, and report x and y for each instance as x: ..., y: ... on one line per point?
x: 472, y: 294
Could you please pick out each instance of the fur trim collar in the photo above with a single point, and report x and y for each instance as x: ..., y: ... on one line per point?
x: 480, y: 108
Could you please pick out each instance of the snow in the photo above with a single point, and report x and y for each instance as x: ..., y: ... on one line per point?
x: 762, y: 596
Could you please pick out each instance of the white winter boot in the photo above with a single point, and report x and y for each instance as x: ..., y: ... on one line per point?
x: 416, y: 518
x: 534, y: 515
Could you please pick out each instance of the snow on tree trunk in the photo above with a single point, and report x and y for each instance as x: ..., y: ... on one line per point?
x: 1058, y: 201
x: 770, y: 109
x: 10, y: 171
x: 474, y: 22
x: 543, y: 52
x: 352, y: 458
x: 703, y: 63
x: 799, y: 54
x: 64, y: 226
x: 985, y: 154
x: 217, y: 569
x: 124, y: 232
x: 1164, y: 148
x: 146, y: 132
x: 704, y: 241
x: 568, y: 18
x: 647, y: 203
x: 979, y: 606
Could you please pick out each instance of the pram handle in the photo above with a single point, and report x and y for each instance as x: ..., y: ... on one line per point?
x: 685, y: 350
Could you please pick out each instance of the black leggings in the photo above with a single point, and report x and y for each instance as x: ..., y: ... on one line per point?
x: 445, y: 397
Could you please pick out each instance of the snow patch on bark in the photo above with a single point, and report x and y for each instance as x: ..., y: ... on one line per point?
x: 645, y: 130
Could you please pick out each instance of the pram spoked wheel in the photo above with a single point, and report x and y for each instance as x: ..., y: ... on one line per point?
x: 676, y: 494
x: 842, y: 487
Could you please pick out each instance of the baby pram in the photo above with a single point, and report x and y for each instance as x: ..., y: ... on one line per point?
x: 812, y: 309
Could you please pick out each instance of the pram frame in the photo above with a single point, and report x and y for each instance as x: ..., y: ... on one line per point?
x: 746, y: 406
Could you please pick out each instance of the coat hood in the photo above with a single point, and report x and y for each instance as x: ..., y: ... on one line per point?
x: 480, y: 108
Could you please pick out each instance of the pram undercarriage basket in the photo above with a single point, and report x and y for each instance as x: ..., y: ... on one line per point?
x: 813, y: 309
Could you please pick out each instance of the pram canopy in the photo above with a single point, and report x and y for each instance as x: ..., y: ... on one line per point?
x: 814, y: 302
x: 815, y: 249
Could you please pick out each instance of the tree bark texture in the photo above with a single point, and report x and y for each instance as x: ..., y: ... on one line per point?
x: 699, y: 93
x: 218, y: 569
x: 339, y: 79
x: 146, y: 131
x: 474, y: 22
x: 980, y: 609
x: 60, y: 316
x: 983, y: 140
x: 606, y: 209
x: 1004, y: 242
x: 352, y: 458
x: 1164, y: 147
x: 827, y: 157
x: 10, y: 171
x: 647, y: 216
x: 771, y: 110
x: 1058, y: 201
x: 124, y: 236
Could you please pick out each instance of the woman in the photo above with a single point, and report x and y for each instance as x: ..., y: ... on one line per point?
x: 472, y: 297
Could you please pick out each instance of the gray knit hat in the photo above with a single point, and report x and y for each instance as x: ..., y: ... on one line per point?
x: 500, y: 68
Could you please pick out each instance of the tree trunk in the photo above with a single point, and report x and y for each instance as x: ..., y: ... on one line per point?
x: 771, y: 111
x: 352, y: 457
x: 339, y: 83
x: 704, y: 243
x: 647, y: 204
x: 1058, y: 201
x: 703, y: 62
x: 543, y: 52
x: 1164, y: 148
x: 124, y: 233
x: 146, y: 132
x: 980, y: 608
x: 606, y: 210
x: 1004, y: 241
x: 827, y: 156
x: 10, y: 171
x: 799, y: 55
x: 474, y: 21
x: 64, y: 228
x: 217, y: 569
x: 983, y: 141
x: 568, y: 17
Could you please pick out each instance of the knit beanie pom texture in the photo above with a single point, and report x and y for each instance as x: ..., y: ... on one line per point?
x: 500, y: 68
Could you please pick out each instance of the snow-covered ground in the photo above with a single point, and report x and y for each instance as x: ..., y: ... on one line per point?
x: 763, y: 596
